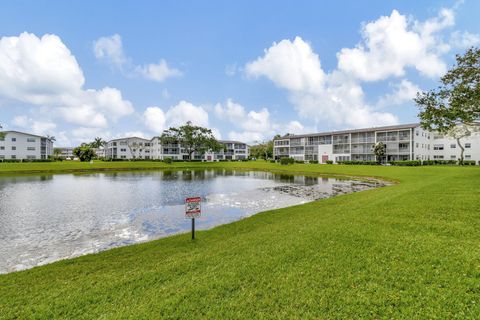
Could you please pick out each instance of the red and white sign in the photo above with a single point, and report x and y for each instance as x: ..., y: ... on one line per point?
x: 193, y: 207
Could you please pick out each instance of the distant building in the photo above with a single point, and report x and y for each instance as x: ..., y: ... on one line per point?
x: 140, y: 148
x: 66, y: 153
x: 100, y: 152
x: 128, y: 148
x: 403, y: 142
x: 24, y: 146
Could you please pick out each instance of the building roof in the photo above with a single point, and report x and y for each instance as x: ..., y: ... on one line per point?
x: 384, y: 128
x: 126, y: 138
x: 231, y: 141
x: 28, y: 134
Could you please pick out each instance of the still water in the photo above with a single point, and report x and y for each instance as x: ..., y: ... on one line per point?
x: 52, y: 217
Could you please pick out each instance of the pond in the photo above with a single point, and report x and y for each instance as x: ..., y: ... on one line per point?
x: 51, y: 217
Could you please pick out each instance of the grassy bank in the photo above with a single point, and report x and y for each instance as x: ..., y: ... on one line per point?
x: 411, y: 250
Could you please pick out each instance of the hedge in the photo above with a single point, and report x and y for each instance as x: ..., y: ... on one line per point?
x: 408, y: 163
x: 370, y: 163
x: 286, y: 161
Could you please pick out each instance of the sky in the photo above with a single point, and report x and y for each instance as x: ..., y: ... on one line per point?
x: 245, y: 69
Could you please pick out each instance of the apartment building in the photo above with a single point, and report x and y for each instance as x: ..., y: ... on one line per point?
x: 139, y: 148
x: 128, y: 148
x: 66, y: 153
x: 403, y: 142
x: 24, y: 146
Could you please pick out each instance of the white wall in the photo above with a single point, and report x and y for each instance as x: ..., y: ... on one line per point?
x: 26, y: 146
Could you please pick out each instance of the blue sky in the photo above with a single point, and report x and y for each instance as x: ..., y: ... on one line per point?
x: 248, y: 70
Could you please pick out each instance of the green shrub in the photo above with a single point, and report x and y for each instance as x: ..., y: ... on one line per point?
x: 299, y: 161
x: 287, y: 161
x: 167, y: 160
x: 329, y: 161
x: 313, y: 161
x: 273, y: 161
x: 408, y: 163
x: 468, y: 162
x: 369, y: 163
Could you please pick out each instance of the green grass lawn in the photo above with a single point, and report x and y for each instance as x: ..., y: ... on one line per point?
x: 410, y: 250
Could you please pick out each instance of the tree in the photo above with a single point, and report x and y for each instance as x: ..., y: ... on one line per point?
x: 462, y: 131
x: 263, y: 149
x: 51, y: 138
x: 57, y: 152
x: 453, y: 108
x: 379, y: 149
x: 84, y: 152
x: 97, y: 143
x: 2, y: 134
x: 192, y: 138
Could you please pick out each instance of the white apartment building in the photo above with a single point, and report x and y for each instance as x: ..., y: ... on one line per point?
x: 139, y: 148
x: 128, y: 148
x: 24, y: 146
x: 403, y: 142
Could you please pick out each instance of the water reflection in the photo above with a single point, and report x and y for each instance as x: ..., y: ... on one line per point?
x: 51, y: 217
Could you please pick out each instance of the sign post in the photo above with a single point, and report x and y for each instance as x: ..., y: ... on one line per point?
x: 192, y: 211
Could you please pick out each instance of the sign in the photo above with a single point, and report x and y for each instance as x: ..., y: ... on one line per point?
x: 192, y: 207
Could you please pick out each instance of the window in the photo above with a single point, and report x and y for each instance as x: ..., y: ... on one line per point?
x: 416, y: 132
x: 2, y: 157
x: 14, y: 157
x: 14, y: 148
x: 416, y: 144
x: 123, y: 150
x: 14, y: 139
x: 30, y: 140
x: 31, y: 148
x: 2, y: 148
x: 123, y: 157
x: 31, y: 157
x: 453, y: 146
x: 468, y: 145
x: 453, y: 157
x: 467, y: 156
x: 437, y: 157
x: 438, y: 147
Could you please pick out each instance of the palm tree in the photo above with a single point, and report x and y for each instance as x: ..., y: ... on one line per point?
x: 51, y: 138
x: 2, y: 134
x: 98, y: 142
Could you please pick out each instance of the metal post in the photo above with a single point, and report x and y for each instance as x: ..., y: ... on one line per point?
x: 193, y: 228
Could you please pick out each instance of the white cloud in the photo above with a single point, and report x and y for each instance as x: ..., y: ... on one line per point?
x: 464, y: 40
x: 110, y: 49
x: 43, y: 72
x: 253, y: 125
x: 335, y: 97
x: 185, y: 111
x: 246, y: 136
x: 40, y: 127
x: 154, y: 119
x: 392, y: 43
x: 290, y: 65
x: 158, y: 72
x: 294, y: 127
x: 138, y: 134
x: 232, y: 69
x: 403, y: 92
